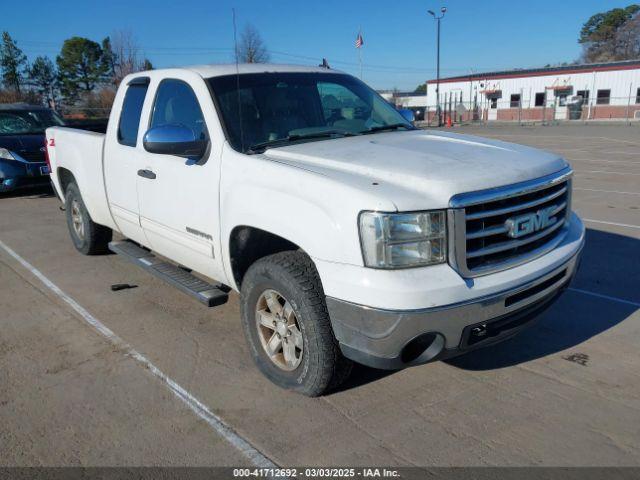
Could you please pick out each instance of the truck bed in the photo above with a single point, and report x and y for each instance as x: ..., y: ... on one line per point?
x: 79, y: 153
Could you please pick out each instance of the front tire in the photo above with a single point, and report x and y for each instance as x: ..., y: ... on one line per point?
x: 287, y: 325
x: 88, y: 237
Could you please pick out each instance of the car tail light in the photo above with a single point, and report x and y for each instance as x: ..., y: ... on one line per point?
x: 47, y: 144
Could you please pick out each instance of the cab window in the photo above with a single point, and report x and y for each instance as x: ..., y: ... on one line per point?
x: 130, y: 114
x: 176, y: 104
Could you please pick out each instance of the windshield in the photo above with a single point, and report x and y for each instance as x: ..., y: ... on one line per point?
x: 25, y: 122
x: 261, y: 110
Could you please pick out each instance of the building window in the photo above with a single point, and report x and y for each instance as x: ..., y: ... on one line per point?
x: 515, y: 101
x: 584, y: 94
x: 603, y: 97
x: 494, y: 102
x: 540, y: 99
x: 562, y: 100
x: 638, y: 96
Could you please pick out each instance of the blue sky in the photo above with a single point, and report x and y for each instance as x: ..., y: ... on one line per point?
x: 399, y: 49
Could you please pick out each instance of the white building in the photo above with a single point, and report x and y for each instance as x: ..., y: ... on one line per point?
x: 592, y: 91
x: 415, y: 102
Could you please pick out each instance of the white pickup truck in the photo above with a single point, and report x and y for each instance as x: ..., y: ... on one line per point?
x: 349, y: 234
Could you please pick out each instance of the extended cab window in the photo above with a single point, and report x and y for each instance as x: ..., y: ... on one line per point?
x: 176, y: 104
x: 130, y: 115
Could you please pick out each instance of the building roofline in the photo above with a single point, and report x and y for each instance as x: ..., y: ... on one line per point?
x: 541, y: 72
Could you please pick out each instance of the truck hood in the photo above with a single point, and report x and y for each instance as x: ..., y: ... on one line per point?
x: 420, y: 169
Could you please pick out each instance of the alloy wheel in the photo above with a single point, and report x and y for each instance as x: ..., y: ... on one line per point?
x: 279, y: 330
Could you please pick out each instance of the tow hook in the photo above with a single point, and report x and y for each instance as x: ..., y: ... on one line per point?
x: 479, y: 331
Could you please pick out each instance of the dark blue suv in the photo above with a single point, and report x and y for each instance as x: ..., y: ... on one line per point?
x: 22, y: 152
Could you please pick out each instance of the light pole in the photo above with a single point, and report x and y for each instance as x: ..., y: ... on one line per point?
x: 443, y: 10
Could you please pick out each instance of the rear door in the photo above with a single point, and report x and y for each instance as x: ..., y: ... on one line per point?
x: 123, y: 157
x: 179, y: 199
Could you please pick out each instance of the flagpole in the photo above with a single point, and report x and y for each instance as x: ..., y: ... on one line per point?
x: 360, y: 51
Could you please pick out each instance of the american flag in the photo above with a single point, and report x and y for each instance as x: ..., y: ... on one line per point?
x: 359, y: 41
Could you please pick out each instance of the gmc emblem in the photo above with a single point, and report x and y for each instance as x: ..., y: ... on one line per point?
x: 530, y: 222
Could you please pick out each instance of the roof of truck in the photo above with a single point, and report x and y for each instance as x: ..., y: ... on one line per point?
x: 207, y: 71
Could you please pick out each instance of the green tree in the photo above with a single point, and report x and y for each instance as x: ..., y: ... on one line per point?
x: 81, y: 67
x: 109, y: 58
x: 13, y: 63
x: 147, y: 65
x: 611, y: 35
x: 44, y: 77
x: 421, y: 89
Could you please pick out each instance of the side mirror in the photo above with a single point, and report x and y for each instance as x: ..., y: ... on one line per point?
x: 407, y: 114
x: 174, y: 140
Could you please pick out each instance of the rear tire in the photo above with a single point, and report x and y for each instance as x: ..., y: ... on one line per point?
x: 88, y: 237
x: 283, y: 310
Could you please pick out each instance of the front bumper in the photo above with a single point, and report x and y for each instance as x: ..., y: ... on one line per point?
x: 392, y: 339
x: 15, y: 174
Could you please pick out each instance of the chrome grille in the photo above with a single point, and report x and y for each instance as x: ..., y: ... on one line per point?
x: 503, y: 227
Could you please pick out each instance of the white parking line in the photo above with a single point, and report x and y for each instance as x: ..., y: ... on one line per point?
x: 610, y: 223
x: 606, y: 191
x: 618, y: 162
x: 200, y: 409
x: 620, y: 141
x: 606, y: 297
x: 605, y: 171
x: 620, y: 152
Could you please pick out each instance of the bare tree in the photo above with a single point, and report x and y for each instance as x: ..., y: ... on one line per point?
x: 124, y: 55
x: 251, y: 48
x: 611, y: 35
x: 627, y: 39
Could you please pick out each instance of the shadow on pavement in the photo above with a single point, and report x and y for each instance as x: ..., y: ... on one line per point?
x: 44, y: 191
x: 610, y: 267
x: 362, y: 375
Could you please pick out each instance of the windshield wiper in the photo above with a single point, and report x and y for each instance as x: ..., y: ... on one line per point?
x: 278, y: 142
x: 393, y: 126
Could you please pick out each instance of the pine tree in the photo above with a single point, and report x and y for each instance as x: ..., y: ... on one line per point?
x: 13, y: 63
x: 81, y: 67
x: 44, y: 77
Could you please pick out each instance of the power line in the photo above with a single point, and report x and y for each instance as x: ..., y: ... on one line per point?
x: 199, y: 50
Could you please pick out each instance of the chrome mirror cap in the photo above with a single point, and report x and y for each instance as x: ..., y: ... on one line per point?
x: 174, y: 140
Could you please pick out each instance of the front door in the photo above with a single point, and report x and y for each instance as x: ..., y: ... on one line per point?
x: 561, y: 106
x: 179, y: 196
x: 493, y: 108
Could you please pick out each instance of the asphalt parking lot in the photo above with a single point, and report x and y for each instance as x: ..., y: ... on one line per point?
x: 564, y: 392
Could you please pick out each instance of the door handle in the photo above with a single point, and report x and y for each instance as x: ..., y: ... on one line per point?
x: 147, y: 174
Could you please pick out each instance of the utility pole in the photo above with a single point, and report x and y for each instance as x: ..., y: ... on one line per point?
x: 443, y: 10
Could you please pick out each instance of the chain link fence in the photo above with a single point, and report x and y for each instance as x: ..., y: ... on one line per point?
x: 549, y: 110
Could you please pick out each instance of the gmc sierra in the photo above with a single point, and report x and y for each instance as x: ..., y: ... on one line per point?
x: 349, y: 234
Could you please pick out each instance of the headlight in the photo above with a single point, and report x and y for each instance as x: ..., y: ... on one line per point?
x: 401, y: 240
x: 6, y: 154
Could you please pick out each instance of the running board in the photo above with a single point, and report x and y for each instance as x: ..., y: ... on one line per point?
x: 206, y: 293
